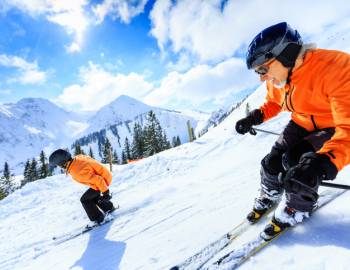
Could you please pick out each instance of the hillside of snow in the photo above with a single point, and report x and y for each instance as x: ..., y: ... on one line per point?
x: 171, y: 205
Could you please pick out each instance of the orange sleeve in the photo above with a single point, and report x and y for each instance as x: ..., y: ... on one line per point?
x: 338, y: 92
x: 271, y: 107
x: 93, y: 179
x: 102, y: 171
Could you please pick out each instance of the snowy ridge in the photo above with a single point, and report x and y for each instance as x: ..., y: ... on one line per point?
x: 172, y: 205
x: 29, y: 126
x: 122, y: 109
x: 35, y: 124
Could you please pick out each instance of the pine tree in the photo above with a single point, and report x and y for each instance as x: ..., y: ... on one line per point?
x: 44, y: 166
x: 178, y: 141
x: 153, y: 136
x: 2, y: 193
x: 26, y: 174
x: 124, y: 158
x: 78, y: 150
x: 138, y: 145
x: 174, y: 142
x: 127, y: 151
x: 7, y: 173
x: 107, y: 152
x: 115, y: 159
x: 91, y: 154
x: 6, y: 186
x: 33, y: 171
x: 165, y: 143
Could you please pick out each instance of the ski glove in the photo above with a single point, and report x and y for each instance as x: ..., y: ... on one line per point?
x: 310, y: 171
x: 106, y: 196
x: 245, y: 124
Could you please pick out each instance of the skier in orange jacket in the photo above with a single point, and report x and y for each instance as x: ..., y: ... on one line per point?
x: 86, y: 170
x: 314, y: 85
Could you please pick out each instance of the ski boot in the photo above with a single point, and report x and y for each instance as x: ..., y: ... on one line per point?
x: 261, y: 207
x: 273, y: 229
x: 100, y: 220
x: 283, y: 218
x: 112, y: 210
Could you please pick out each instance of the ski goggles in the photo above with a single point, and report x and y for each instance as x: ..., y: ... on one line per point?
x: 263, y: 69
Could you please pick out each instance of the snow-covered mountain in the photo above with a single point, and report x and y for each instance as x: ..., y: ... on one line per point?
x: 122, y: 109
x: 32, y: 125
x: 35, y: 124
x: 171, y: 205
x: 116, y: 122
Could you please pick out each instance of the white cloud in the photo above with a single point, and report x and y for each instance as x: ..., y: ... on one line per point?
x: 125, y: 10
x: 212, y: 32
x: 66, y: 13
x: 29, y: 72
x: 72, y: 48
x: 183, y: 63
x: 160, y: 22
x: 99, y: 87
x: 203, y: 87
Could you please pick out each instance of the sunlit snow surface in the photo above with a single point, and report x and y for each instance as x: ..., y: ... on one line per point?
x: 171, y: 205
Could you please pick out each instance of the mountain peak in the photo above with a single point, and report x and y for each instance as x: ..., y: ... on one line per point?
x: 30, y: 100
x: 125, y: 100
x: 123, y: 108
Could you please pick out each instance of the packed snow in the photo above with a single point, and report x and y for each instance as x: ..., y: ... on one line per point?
x: 171, y: 205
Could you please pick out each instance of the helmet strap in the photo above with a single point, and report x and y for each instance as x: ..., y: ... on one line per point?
x: 67, y: 165
x: 288, y: 58
x: 289, y: 55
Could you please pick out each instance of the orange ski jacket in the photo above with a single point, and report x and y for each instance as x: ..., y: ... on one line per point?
x: 318, y: 97
x: 90, y: 172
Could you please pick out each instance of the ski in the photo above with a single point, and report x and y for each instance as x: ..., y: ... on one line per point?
x: 81, y: 231
x: 199, y: 259
x: 237, y: 257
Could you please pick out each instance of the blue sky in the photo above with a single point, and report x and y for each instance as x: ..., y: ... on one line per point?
x: 186, y: 54
x: 113, y: 44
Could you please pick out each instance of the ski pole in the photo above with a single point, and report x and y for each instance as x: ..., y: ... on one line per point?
x: 254, y: 130
x: 332, y: 185
x: 325, y: 184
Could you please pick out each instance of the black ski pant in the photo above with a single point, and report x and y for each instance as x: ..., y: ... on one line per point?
x: 95, y: 205
x: 293, y: 142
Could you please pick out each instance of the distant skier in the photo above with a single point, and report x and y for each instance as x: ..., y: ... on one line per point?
x: 85, y: 170
x: 313, y: 84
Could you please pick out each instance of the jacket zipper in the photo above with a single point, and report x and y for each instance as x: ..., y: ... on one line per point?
x: 313, y: 122
x: 286, y: 101
x: 290, y: 98
x: 292, y: 108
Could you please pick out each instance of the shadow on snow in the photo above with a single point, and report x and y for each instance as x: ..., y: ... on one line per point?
x: 101, y: 253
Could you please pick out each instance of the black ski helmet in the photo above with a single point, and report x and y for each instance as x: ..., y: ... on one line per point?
x: 278, y: 41
x: 59, y: 158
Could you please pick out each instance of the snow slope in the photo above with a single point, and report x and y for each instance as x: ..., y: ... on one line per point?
x: 172, y: 204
